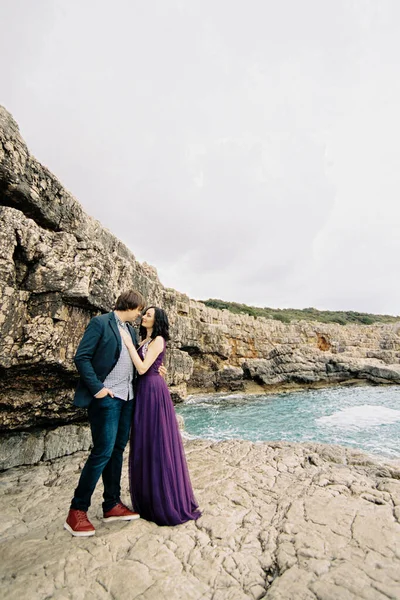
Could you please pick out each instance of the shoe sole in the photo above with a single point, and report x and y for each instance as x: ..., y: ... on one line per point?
x: 78, y: 533
x: 127, y: 518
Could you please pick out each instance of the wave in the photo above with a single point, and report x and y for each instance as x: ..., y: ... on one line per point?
x: 214, y: 399
x: 364, y: 416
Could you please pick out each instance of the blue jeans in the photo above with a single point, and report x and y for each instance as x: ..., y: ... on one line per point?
x: 110, y: 422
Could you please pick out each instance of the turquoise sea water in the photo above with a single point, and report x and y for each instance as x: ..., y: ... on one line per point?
x: 365, y: 417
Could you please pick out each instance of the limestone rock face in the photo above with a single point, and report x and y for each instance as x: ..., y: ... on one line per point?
x: 59, y: 267
x: 280, y: 522
x: 30, y: 447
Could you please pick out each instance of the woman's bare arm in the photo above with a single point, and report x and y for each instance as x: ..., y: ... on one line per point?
x: 154, y: 350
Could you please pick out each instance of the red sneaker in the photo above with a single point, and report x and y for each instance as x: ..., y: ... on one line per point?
x: 120, y: 512
x: 78, y: 524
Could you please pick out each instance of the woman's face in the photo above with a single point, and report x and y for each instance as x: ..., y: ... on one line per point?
x: 148, y: 318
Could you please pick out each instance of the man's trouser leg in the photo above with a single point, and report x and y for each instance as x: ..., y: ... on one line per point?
x: 113, y: 469
x: 104, y: 416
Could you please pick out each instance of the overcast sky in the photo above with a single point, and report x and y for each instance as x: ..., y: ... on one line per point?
x: 248, y: 149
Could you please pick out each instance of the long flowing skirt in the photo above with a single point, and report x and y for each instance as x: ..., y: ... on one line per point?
x: 160, y: 485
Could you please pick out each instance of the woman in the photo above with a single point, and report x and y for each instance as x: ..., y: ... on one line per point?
x: 159, y: 479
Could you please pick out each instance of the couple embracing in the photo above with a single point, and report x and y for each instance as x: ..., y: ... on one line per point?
x: 122, y: 387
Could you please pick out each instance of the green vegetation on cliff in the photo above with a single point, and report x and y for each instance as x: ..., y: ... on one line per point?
x: 286, y: 315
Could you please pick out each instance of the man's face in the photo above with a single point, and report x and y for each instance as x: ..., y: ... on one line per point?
x: 134, y: 313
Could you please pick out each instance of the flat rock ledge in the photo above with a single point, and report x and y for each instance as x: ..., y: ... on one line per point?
x: 280, y: 521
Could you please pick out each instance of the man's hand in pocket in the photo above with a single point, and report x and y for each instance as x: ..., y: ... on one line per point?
x: 103, y: 393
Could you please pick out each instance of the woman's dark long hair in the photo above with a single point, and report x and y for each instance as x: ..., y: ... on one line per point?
x: 160, y: 327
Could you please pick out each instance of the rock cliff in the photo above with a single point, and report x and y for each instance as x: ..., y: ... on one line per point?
x: 59, y: 267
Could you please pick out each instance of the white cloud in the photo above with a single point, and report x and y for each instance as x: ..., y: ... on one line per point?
x: 249, y: 151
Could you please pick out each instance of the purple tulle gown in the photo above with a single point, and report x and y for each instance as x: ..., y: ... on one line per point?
x: 159, y: 478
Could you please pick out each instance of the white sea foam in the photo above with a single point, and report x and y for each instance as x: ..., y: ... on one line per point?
x: 214, y: 399
x: 361, y: 417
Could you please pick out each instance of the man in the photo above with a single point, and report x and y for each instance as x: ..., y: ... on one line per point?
x: 106, y: 389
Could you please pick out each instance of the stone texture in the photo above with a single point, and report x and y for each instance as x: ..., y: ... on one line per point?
x: 280, y: 522
x: 59, y: 267
x: 30, y: 447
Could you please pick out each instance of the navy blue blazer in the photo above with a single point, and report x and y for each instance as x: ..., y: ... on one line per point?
x: 97, y: 355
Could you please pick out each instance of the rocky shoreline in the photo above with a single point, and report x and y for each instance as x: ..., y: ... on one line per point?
x: 59, y: 267
x: 280, y: 522
x: 31, y: 446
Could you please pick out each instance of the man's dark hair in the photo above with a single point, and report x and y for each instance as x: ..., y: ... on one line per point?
x: 129, y: 300
x: 161, y: 324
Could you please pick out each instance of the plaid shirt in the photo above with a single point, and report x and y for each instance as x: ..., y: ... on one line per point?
x: 120, y: 379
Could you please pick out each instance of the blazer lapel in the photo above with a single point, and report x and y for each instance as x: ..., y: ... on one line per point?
x: 114, y: 327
